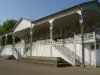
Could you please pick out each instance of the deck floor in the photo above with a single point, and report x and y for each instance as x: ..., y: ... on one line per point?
x: 9, y: 67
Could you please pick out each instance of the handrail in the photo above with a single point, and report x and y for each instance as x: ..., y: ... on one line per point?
x: 16, y: 51
x: 87, y: 36
x: 68, y: 51
x: 55, y: 44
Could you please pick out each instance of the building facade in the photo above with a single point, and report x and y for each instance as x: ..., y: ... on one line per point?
x: 59, y: 35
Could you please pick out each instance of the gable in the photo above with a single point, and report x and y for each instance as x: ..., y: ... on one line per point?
x: 22, y: 25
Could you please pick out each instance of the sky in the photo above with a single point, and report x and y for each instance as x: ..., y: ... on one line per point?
x: 33, y: 9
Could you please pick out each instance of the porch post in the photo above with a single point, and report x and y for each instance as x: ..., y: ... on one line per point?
x: 82, y: 38
x: 60, y: 32
x: 5, y: 43
x: 0, y: 42
x: 81, y: 22
x: 0, y: 45
x: 23, y: 41
x: 75, y: 49
x: 13, y: 37
x: 31, y: 35
x: 51, y: 37
x: 95, y: 49
x: 5, y: 40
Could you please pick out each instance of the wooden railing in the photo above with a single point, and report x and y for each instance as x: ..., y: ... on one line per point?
x: 87, y: 36
x: 68, y: 53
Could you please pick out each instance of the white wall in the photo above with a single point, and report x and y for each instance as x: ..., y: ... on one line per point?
x: 44, y: 50
x: 98, y: 57
x: 22, y: 25
x: 20, y: 48
x: 7, y: 50
x: 40, y: 49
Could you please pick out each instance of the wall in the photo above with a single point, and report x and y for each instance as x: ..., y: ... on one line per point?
x: 40, y: 49
x: 7, y: 50
x: 44, y: 50
x: 20, y: 48
x: 23, y: 25
x: 78, y: 49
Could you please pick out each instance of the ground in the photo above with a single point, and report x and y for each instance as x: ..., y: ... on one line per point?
x: 12, y: 67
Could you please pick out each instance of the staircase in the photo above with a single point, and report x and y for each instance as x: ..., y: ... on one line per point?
x: 18, y: 54
x: 78, y: 58
x: 67, y: 53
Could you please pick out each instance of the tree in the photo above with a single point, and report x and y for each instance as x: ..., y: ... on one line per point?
x: 6, y: 27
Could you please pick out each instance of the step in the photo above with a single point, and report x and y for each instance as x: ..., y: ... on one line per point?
x: 54, y: 61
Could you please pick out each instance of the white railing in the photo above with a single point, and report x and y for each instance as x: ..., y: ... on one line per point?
x: 69, y: 53
x: 87, y: 36
x: 47, y: 41
x: 65, y: 41
x: 62, y: 50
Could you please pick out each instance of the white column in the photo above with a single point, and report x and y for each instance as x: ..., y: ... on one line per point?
x: 5, y: 40
x: 23, y: 41
x: 95, y: 49
x: 81, y: 21
x: 0, y: 42
x: 75, y: 49
x: 13, y: 37
x: 0, y: 45
x: 31, y: 39
x: 5, y: 43
x: 51, y: 37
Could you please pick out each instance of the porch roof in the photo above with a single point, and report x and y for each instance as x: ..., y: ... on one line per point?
x: 66, y: 18
x: 91, y: 5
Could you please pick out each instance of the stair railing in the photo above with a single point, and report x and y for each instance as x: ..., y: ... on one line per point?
x: 69, y: 52
x: 62, y: 50
x: 19, y: 55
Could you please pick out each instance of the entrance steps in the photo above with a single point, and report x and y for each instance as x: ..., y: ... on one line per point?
x: 54, y: 61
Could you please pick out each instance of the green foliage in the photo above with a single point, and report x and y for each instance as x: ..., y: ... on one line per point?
x: 6, y: 27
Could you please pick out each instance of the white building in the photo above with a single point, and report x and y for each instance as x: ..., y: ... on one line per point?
x: 59, y: 35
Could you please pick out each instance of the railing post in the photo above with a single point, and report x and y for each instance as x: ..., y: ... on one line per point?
x: 51, y: 35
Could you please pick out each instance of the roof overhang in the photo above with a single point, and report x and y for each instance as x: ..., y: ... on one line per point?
x: 66, y: 18
x: 91, y: 5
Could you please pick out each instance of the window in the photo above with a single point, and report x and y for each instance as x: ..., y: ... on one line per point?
x: 93, y: 47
